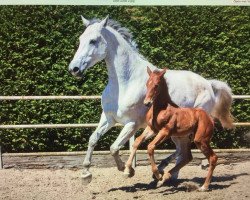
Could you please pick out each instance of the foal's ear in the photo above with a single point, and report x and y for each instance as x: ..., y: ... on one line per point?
x: 163, y: 71
x: 85, y: 21
x: 105, y: 21
x: 149, y: 71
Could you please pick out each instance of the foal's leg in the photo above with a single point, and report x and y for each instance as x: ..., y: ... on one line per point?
x: 127, y: 132
x: 202, y: 140
x: 147, y: 133
x: 160, y: 137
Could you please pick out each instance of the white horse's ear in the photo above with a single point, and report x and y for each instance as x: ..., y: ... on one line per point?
x: 149, y: 71
x: 105, y: 21
x: 85, y: 21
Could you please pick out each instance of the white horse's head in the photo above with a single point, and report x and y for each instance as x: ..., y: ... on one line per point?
x: 92, y: 48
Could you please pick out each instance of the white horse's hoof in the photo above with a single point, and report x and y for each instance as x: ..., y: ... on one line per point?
x: 86, y: 178
x: 160, y: 183
x: 203, y: 189
x: 128, y: 173
x: 174, y: 176
x: 121, y: 166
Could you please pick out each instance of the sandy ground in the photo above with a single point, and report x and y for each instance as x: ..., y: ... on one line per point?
x: 229, y: 182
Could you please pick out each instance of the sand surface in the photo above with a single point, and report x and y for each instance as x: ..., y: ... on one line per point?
x: 229, y: 182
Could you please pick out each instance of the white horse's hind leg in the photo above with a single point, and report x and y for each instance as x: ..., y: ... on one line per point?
x: 126, y: 133
x: 205, y: 101
x: 165, y: 162
x: 183, y: 151
x: 103, y: 126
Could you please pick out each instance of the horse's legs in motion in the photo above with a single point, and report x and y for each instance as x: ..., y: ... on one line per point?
x: 202, y: 140
x: 165, y: 162
x: 147, y: 133
x: 103, y: 126
x: 160, y: 137
x: 183, y: 154
x: 127, y: 132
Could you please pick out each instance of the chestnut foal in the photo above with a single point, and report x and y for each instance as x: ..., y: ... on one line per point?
x: 167, y: 119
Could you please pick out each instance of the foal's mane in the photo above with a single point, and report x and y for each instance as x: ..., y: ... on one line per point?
x: 163, y: 81
x: 124, y: 32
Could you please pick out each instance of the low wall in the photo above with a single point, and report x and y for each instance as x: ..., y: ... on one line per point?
x: 73, y: 160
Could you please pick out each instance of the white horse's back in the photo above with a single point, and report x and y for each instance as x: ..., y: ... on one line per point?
x: 185, y: 87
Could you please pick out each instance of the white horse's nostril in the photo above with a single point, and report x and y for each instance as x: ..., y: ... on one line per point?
x: 75, y: 69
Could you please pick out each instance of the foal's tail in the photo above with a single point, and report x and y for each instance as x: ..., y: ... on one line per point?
x: 223, y: 102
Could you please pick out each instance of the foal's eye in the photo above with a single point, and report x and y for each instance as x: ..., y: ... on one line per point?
x: 92, y: 42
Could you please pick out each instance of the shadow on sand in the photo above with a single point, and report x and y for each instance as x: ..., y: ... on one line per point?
x: 186, y: 185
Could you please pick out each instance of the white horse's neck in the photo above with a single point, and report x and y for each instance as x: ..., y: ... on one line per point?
x: 123, y: 62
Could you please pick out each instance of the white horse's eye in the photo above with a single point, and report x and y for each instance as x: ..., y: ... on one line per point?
x: 93, y: 42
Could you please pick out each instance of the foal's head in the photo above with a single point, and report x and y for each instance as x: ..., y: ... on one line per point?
x: 154, y: 85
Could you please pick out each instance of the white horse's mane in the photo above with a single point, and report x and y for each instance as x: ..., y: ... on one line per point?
x: 125, y: 33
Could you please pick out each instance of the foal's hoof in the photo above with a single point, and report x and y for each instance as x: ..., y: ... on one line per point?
x: 128, y: 173
x: 203, y: 189
x: 86, y: 178
x: 166, y: 177
x: 157, y: 177
x: 161, y: 174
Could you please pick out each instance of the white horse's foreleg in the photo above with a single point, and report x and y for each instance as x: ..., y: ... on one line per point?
x: 127, y: 132
x: 103, y: 126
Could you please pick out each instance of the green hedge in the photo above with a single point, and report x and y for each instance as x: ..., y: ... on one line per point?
x: 38, y: 42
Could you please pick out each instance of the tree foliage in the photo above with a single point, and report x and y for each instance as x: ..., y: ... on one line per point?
x: 38, y: 42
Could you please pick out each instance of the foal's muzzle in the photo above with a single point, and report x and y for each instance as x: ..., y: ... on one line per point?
x: 147, y: 103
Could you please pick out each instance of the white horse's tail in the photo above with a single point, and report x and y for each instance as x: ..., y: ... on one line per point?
x: 223, y: 102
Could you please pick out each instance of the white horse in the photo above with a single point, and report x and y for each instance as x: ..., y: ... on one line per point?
x: 122, y: 99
